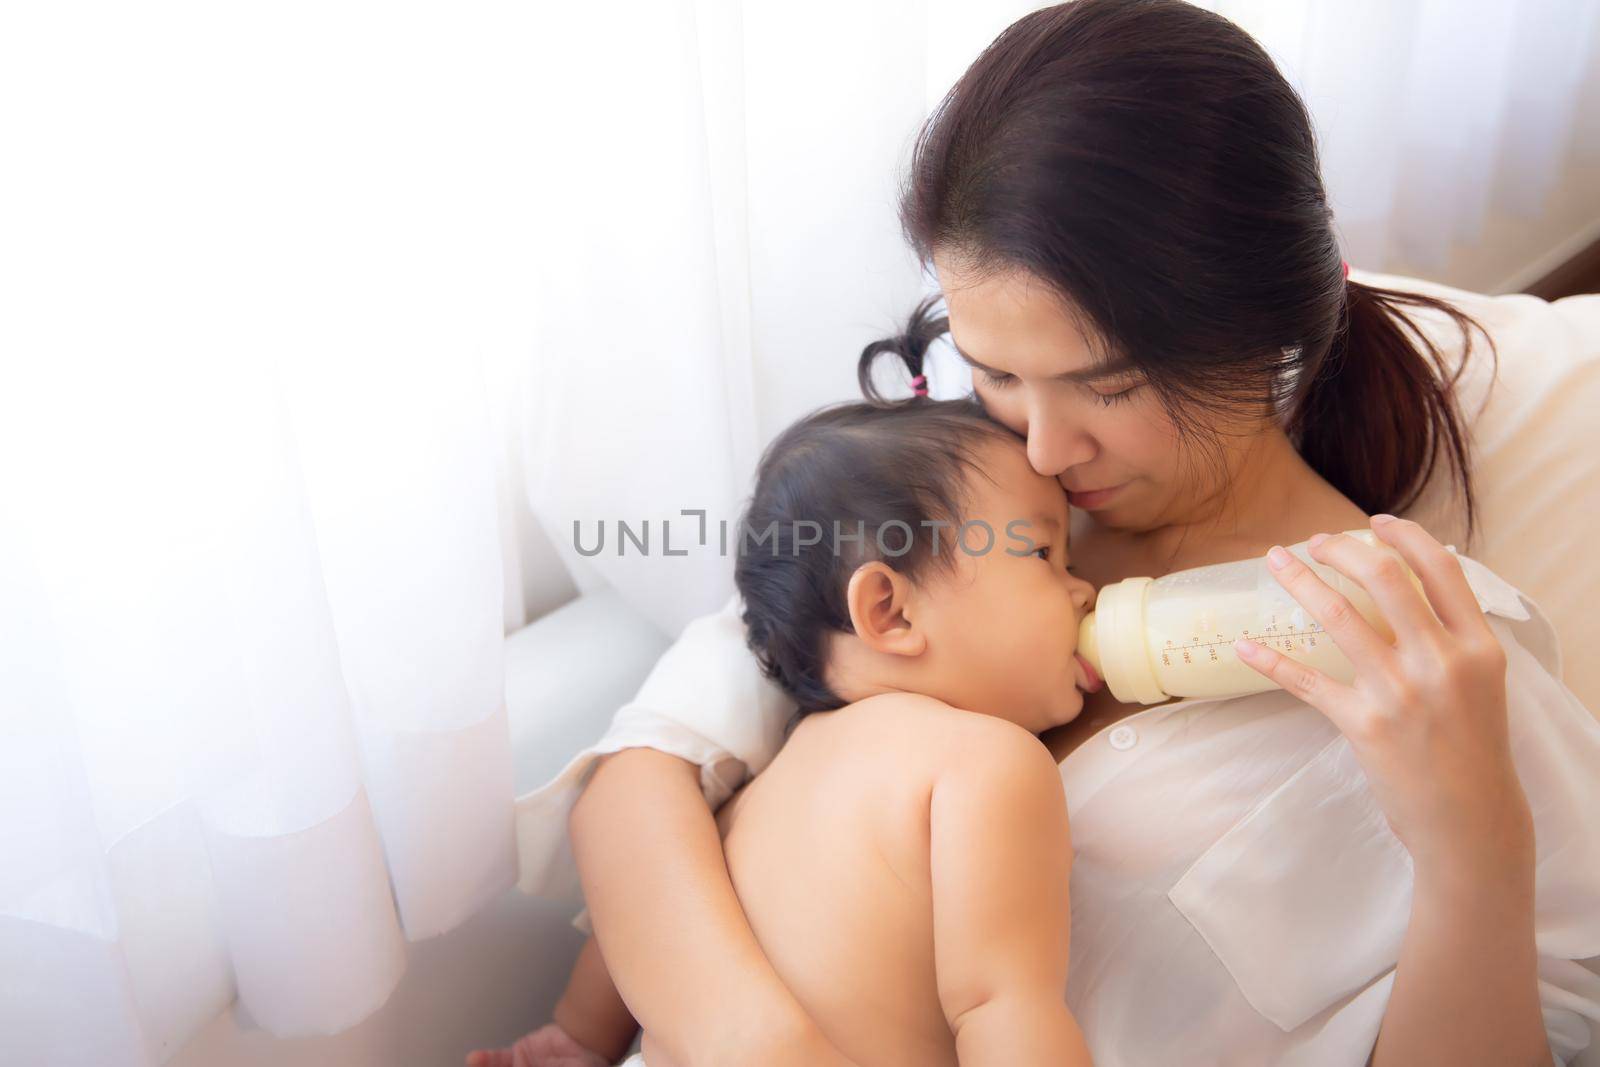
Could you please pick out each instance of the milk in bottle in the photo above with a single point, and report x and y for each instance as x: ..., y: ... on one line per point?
x: 1152, y: 639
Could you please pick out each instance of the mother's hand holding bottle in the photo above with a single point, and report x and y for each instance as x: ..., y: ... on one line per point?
x: 1426, y: 718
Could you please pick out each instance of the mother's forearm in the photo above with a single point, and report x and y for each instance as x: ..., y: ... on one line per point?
x: 1466, y: 989
x: 671, y: 930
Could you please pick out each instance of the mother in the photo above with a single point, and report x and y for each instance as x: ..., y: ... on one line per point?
x: 1122, y: 202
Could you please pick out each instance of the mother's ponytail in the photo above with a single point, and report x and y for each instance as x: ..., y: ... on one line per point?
x: 1381, y: 407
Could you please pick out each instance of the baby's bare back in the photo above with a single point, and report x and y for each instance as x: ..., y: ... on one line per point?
x: 829, y: 852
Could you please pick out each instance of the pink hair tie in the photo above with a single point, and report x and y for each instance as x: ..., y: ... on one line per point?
x: 919, y: 385
x: 1346, y: 265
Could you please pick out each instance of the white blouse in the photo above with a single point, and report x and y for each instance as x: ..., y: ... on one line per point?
x: 1237, y: 895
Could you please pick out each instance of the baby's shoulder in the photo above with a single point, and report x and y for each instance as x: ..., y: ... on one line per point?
x: 930, y: 737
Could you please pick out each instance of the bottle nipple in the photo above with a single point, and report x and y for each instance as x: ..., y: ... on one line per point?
x: 1089, y: 643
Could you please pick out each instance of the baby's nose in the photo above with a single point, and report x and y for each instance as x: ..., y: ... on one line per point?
x: 1085, y: 596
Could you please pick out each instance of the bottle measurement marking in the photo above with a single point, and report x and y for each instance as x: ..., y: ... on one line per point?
x: 1272, y: 635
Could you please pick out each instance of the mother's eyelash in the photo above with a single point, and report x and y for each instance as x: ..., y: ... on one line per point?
x: 1002, y: 381
x: 1115, y: 398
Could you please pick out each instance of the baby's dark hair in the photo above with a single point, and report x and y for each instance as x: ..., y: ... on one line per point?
x: 888, y: 470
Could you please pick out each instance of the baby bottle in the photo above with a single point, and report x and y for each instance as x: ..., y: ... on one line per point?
x: 1152, y: 639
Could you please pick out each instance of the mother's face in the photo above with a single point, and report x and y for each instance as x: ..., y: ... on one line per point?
x: 1089, y: 425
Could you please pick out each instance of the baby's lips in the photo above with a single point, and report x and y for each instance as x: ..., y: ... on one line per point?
x: 1096, y: 683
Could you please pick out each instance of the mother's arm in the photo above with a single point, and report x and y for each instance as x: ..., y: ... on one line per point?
x: 670, y: 928
x: 1427, y: 718
x: 1466, y: 986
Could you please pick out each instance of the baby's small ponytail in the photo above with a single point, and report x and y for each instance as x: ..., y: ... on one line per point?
x: 922, y: 329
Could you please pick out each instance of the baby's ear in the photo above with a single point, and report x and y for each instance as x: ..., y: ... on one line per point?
x: 880, y: 602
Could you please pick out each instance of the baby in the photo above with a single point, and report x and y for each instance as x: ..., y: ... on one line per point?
x: 904, y: 860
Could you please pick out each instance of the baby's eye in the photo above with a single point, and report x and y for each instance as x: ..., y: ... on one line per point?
x: 1042, y: 548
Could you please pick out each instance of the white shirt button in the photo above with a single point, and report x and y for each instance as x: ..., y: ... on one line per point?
x: 1124, y: 738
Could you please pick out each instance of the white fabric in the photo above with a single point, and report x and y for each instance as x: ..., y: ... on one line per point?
x: 252, y: 725
x: 687, y: 707
x: 1237, y: 895
x: 252, y: 738
x: 689, y: 308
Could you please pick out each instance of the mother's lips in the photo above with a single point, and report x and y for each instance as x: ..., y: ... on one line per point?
x: 1092, y: 498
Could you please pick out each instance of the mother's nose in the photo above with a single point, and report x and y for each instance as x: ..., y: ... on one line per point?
x: 1054, y: 445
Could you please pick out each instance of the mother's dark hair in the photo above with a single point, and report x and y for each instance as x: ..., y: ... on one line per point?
x: 1147, y: 160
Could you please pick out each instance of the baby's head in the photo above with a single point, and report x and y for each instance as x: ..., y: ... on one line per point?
x: 957, y: 586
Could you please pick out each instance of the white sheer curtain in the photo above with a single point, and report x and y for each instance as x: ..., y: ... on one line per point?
x: 722, y: 240
x: 254, y: 734
x: 304, y: 306
x: 256, y: 268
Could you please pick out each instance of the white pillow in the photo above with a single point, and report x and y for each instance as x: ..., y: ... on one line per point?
x: 1535, y: 456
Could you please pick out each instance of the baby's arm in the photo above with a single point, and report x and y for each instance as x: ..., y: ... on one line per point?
x: 592, y: 1025
x: 591, y: 1011
x: 1000, y: 858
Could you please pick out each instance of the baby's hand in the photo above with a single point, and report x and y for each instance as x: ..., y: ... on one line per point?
x: 548, y: 1046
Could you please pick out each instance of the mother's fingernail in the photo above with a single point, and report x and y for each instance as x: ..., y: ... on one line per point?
x: 1381, y: 519
x: 1278, y: 558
